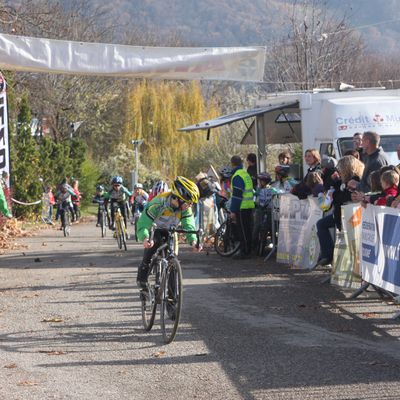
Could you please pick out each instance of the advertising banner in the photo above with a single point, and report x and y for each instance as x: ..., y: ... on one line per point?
x: 380, y: 247
x: 4, y: 140
x: 21, y: 53
x: 298, y: 243
x: 346, y: 258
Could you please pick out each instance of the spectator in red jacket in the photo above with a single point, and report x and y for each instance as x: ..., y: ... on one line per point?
x: 390, y: 183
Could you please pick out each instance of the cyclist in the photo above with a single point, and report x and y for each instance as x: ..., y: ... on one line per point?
x: 166, y: 210
x: 118, y: 196
x: 158, y: 188
x: 138, y: 199
x: 64, y: 202
x: 99, y: 199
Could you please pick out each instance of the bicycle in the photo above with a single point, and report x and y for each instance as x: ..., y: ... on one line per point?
x: 226, y: 243
x: 120, y: 229
x: 165, y: 285
x: 264, y: 239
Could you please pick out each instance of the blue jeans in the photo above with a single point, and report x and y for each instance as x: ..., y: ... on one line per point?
x: 326, y: 242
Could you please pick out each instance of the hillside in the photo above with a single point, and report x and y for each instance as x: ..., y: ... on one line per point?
x: 238, y: 22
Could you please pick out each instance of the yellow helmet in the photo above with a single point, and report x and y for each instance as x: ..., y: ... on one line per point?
x: 185, y: 189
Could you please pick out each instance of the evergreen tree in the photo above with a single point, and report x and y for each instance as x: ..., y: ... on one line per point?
x: 25, y: 165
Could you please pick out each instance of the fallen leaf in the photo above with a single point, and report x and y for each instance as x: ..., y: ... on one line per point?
x: 369, y: 314
x: 52, y: 319
x: 44, y: 244
x: 159, y: 354
x: 27, y: 383
x: 37, y: 259
x: 10, y: 366
x: 52, y: 352
x: 301, y: 305
x: 29, y: 296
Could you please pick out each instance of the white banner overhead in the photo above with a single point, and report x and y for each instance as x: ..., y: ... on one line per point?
x: 20, y: 53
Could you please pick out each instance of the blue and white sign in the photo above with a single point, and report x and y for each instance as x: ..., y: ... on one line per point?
x: 380, y: 247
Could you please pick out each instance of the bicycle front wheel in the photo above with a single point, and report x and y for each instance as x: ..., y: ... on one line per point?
x: 103, y: 225
x: 225, y: 244
x: 171, y: 303
x: 119, y: 233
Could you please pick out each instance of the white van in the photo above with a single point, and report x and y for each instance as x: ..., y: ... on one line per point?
x: 323, y: 119
x: 328, y: 120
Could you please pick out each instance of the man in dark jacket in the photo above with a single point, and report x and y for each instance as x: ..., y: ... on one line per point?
x: 374, y: 159
x: 252, y: 168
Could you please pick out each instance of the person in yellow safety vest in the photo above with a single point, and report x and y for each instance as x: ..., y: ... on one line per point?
x: 242, y: 205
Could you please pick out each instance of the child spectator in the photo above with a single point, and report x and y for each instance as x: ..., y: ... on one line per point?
x: 263, y: 200
x: 52, y: 201
x: 390, y: 183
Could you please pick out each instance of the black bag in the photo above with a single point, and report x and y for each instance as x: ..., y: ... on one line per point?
x: 206, y: 187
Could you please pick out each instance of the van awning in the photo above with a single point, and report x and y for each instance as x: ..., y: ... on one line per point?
x: 237, y: 116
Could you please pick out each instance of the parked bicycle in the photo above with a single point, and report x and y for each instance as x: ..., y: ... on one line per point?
x: 226, y: 243
x: 165, y: 285
x: 120, y: 230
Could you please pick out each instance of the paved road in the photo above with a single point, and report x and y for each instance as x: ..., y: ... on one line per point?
x: 70, y: 328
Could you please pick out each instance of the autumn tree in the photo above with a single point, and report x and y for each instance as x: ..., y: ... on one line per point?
x: 154, y: 112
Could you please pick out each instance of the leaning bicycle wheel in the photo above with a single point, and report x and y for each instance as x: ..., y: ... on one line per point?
x: 67, y: 223
x: 225, y: 244
x: 171, y: 303
x: 148, y: 300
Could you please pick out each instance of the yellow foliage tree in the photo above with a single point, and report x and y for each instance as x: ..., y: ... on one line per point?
x: 154, y: 112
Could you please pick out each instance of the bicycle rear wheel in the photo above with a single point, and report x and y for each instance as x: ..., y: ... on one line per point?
x: 225, y: 244
x: 148, y: 300
x: 171, y: 303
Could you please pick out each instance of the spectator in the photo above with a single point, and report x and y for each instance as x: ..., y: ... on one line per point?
x: 348, y: 168
x: 263, y: 200
x: 242, y: 206
x: 285, y: 158
x: 390, y: 184
x: 374, y: 158
x: 328, y: 165
x: 398, y: 155
x: 357, y: 145
x: 353, y: 153
x: 313, y: 159
x: 3, y: 204
x: 52, y: 201
x: 376, y: 186
x: 252, y: 168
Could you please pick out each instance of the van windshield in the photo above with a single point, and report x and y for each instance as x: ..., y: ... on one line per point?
x: 389, y: 144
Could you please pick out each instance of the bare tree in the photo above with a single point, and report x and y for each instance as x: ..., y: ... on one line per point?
x: 320, y: 49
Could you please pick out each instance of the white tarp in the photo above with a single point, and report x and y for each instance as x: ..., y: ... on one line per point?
x: 20, y: 53
x: 298, y: 243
